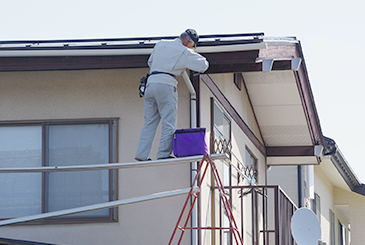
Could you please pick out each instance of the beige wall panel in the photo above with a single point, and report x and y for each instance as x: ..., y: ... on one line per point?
x: 101, y: 94
x: 82, y: 94
x: 239, y: 100
x: 287, y: 178
x: 239, y: 142
x: 205, y: 194
x: 324, y: 188
x: 356, y: 205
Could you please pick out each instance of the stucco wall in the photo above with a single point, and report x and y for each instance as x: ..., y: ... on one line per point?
x: 331, y: 197
x: 324, y: 188
x: 239, y: 100
x: 239, y: 142
x: 287, y: 178
x: 101, y: 94
x: 356, y: 204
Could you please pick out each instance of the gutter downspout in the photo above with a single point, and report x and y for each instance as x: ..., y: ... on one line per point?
x: 193, y: 165
x: 300, y: 201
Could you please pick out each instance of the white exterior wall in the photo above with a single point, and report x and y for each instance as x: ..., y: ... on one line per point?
x: 287, y: 178
x: 324, y: 188
x: 356, y: 203
x: 240, y: 101
x: 347, y: 206
x: 101, y: 94
x: 240, y: 141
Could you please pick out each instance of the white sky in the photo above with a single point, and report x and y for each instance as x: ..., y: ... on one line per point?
x: 330, y: 31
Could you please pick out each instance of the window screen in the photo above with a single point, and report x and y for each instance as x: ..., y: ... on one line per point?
x: 21, y: 194
x: 78, y: 145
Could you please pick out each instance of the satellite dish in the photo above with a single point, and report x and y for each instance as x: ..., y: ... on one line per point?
x: 305, y: 227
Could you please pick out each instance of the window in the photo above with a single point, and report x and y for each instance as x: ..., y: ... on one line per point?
x: 222, y: 136
x: 317, y: 206
x: 238, y: 80
x: 342, y: 234
x: 221, y: 130
x: 62, y: 143
x: 332, y: 228
x: 222, y: 123
x: 21, y: 194
x: 250, y: 166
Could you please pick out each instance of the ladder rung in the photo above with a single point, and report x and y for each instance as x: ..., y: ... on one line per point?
x: 208, y: 228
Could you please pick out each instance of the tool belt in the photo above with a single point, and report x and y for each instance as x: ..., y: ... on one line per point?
x: 160, y: 72
x: 142, y: 86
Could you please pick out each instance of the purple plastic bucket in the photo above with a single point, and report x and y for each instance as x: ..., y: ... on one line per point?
x: 189, y: 142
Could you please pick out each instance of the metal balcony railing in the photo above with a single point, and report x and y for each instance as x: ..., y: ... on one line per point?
x: 263, y: 214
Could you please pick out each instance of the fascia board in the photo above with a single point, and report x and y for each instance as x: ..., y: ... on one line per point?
x: 290, y: 161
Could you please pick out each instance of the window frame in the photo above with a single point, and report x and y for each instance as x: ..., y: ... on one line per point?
x: 238, y: 80
x: 223, y: 235
x: 316, y: 206
x: 113, y: 124
x: 332, y: 227
x: 342, y: 233
x: 226, y: 117
x: 254, y: 174
x: 226, y: 138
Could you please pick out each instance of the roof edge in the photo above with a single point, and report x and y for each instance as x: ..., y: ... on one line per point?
x: 125, y: 46
x: 123, y: 51
x: 343, y: 167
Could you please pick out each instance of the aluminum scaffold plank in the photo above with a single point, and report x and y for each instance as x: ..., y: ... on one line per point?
x: 111, y: 204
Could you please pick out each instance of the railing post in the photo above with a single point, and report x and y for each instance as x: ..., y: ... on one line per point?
x: 264, y: 218
x: 242, y: 218
x: 276, y: 199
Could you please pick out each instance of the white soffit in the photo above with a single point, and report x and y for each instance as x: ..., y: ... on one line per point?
x: 278, y: 108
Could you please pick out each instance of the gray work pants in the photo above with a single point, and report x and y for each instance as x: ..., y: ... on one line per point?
x: 160, y: 103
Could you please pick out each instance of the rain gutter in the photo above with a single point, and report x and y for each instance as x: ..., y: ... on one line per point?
x: 343, y: 167
x: 37, y: 52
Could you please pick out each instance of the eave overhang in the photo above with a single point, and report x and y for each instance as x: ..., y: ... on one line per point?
x: 281, y: 99
x: 283, y: 104
x: 119, y: 53
x: 292, y: 155
x: 338, y: 170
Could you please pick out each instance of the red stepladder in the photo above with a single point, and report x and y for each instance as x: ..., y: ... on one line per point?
x: 193, y: 195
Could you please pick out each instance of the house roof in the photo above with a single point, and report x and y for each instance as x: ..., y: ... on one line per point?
x: 121, y: 46
x: 283, y: 103
x: 34, y: 55
x: 273, y: 70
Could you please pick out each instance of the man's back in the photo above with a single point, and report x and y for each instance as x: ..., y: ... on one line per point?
x: 165, y: 56
x: 173, y: 57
